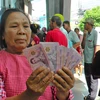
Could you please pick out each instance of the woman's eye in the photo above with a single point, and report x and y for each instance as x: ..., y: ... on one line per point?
x: 14, y: 26
x: 26, y: 26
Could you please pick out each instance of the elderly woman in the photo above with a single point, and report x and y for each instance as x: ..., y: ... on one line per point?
x: 17, y: 80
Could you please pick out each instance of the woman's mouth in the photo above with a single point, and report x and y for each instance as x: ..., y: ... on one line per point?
x: 20, y: 41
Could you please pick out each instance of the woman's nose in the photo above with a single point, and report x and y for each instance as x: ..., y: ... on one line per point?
x: 21, y: 31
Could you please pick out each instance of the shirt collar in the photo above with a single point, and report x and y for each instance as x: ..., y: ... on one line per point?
x: 68, y: 31
x: 89, y: 33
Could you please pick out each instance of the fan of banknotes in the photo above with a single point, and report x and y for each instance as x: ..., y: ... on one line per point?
x: 52, y: 55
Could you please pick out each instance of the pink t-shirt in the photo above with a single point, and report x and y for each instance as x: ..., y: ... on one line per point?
x: 15, y: 71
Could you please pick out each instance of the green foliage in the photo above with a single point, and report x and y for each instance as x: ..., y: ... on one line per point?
x: 93, y: 13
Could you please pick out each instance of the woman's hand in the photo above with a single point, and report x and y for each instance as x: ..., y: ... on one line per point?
x: 39, y: 80
x: 64, y: 81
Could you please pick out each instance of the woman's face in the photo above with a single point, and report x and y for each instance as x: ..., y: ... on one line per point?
x: 77, y: 31
x: 17, y: 32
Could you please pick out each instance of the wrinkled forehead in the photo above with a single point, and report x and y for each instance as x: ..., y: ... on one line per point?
x: 17, y: 16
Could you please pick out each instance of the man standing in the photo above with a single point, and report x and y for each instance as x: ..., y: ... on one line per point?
x: 63, y: 30
x: 90, y: 47
x: 55, y: 34
x: 71, y: 35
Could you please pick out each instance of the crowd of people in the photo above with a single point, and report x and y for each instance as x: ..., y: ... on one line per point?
x: 19, y: 82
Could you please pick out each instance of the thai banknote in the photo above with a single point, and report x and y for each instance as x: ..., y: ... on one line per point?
x: 62, y: 56
x: 73, y: 59
x: 36, y: 56
x: 52, y: 51
x: 67, y: 56
x: 52, y: 55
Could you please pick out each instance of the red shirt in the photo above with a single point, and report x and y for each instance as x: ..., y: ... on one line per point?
x: 56, y: 35
x: 79, y: 50
x: 36, y: 39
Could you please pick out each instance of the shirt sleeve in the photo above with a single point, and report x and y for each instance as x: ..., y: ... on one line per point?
x: 75, y: 38
x: 81, y: 38
x: 98, y: 39
x: 48, y: 37
x: 2, y: 91
x: 95, y: 37
x: 70, y: 97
